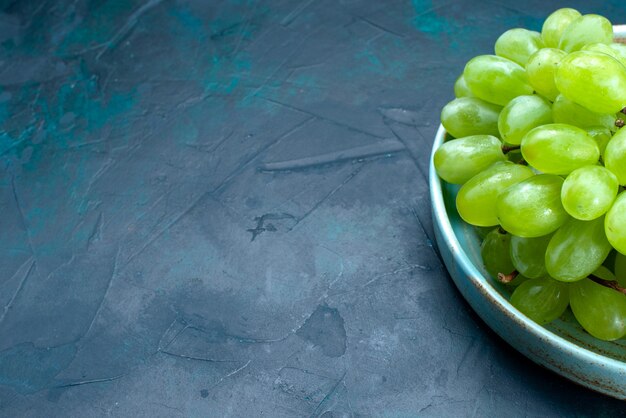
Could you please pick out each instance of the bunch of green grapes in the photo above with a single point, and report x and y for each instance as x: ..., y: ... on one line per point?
x: 540, y: 153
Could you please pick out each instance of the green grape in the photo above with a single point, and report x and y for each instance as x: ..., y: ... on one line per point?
x: 461, y: 89
x: 476, y: 200
x: 521, y: 115
x: 542, y: 300
x: 620, y: 269
x: 495, y: 253
x: 587, y: 29
x: 601, y: 135
x: 599, y: 310
x: 594, y: 80
x: 615, y: 222
x: 559, y: 148
x: 518, y: 280
x: 532, y: 208
x: 482, y: 231
x: 566, y: 111
x: 529, y: 254
x: 615, y: 156
x: 459, y: 160
x: 496, y: 79
x: 604, y: 273
x: 617, y: 51
x: 518, y: 44
x: 470, y: 116
x: 588, y: 192
x: 540, y: 69
x: 577, y: 249
x: 555, y: 24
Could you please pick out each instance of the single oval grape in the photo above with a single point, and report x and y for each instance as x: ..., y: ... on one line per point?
x: 532, y: 208
x: 620, y: 269
x: 518, y: 44
x: 528, y: 255
x: 559, y: 148
x: 588, y: 192
x: 599, y: 310
x: 587, y: 29
x: 615, y: 224
x: 521, y: 115
x: 568, y: 112
x: 495, y: 252
x: 496, y: 79
x: 615, y: 156
x: 468, y: 116
x: 541, y: 67
x: 555, y: 24
x: 461, y: 89
x: 459, y: 160
x: 542, y: 300
x: 601, y: 135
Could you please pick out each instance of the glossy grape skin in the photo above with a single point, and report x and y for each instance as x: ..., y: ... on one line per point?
x: 543, y: 300
x: 617, y: 51
x: 518, y: 44
x: 468, y: 116
x: 601, y: 135
x: 588, y: 192
x: 620, y: 269
x: 615, y: 222
x: 496, y: 79
x: 541, y: 67
x: 532, y: 208
x: 461, y: 89
x: 528, y: 255
x: 521, y: 115
x: 594, y: 80
x: 568, y: 112
x: 577, y: 249
x: 559, y: 148
x: 601, y: 311
x: 495, y: 251
x: 459, y: 160
x: 615, y: 156
x: 555, y: 24
x: 587, y: 29
x: 476, y: 200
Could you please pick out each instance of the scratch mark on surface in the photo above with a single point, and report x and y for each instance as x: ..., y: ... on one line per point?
x: 96, y: 233
x: 387, y: 146
x: 234, y: 372
x: 394, y: 272
x: 304, y: 371
x: 22, y: 217
x: 127, y: 27
x: 411, y: 153
x: 261, y: 226
x: 208, y: 360
x: 379, y: 27
x: 6, y: 308
x: 287, y: 20
x: 88, y: 382
x: 328, y: 395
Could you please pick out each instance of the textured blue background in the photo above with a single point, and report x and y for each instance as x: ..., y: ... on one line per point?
x: 217, y: 208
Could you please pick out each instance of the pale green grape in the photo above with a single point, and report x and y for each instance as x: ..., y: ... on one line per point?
x: 532, y: 208
x: 577, y: 249
x: 559, y: 148
x: 494, y: 251
x: 620, y: 269
x: 594, y: 80
x: 587, y: 29
x: 476, y: 200
x: 541, y: 67
x: 521, y: 115
x: 555, y: 24
x: 615, y: 224
x: 461, y: 89
x: 601, y: 135
x: 458, y: 160
x: 496, y: 79
x: 529, y: 255
x: 518, y: 44
x: 467, y: 116
x: 617, y: 51
x: 601, y: 311
x: 542, y: 300
x: 615, y: 156
x: 588, y: 192
x: 566, y: 111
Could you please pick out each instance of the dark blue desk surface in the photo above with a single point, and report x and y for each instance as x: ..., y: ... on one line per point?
x: 220, y: 208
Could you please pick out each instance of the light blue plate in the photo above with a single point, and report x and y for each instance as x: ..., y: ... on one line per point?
x: 562, y: 346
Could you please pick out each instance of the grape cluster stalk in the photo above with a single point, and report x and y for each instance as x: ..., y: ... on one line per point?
x: 537, y: 143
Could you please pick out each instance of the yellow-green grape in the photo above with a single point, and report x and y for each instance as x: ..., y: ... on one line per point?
x: 476, y: 200
x: 594, y: 80
x: 620, y: 269
x: 529, y: 255
x: 459, y: 160
x: 604, y: 273
x: 461, y: 89
x: 540, y: 69
x: 602, y: 136
x: 614, y: 224
x: 542, y: 300
x: 521, y: 115
x: 559, y: 148
x: 494, y: 251
x: 577, y: 249
x: 617, y: 51
x: 566, y: 111
x: 587, y: 29
x: 588, y: 192
x: 555, y: 24
x: 467, y: 116
x: 615, y: 156
x: 518, y: 44
x: 600, y: 310
x: 532, y: 208
x: 496, y: 79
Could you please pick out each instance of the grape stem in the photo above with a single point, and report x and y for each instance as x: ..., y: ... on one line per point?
x: 507, y: 278
x: 611, y: 284
x: 508, y: 148
x: 619, y: 123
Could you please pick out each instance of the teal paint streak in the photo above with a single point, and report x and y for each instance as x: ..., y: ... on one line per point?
x: 427, y: 21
